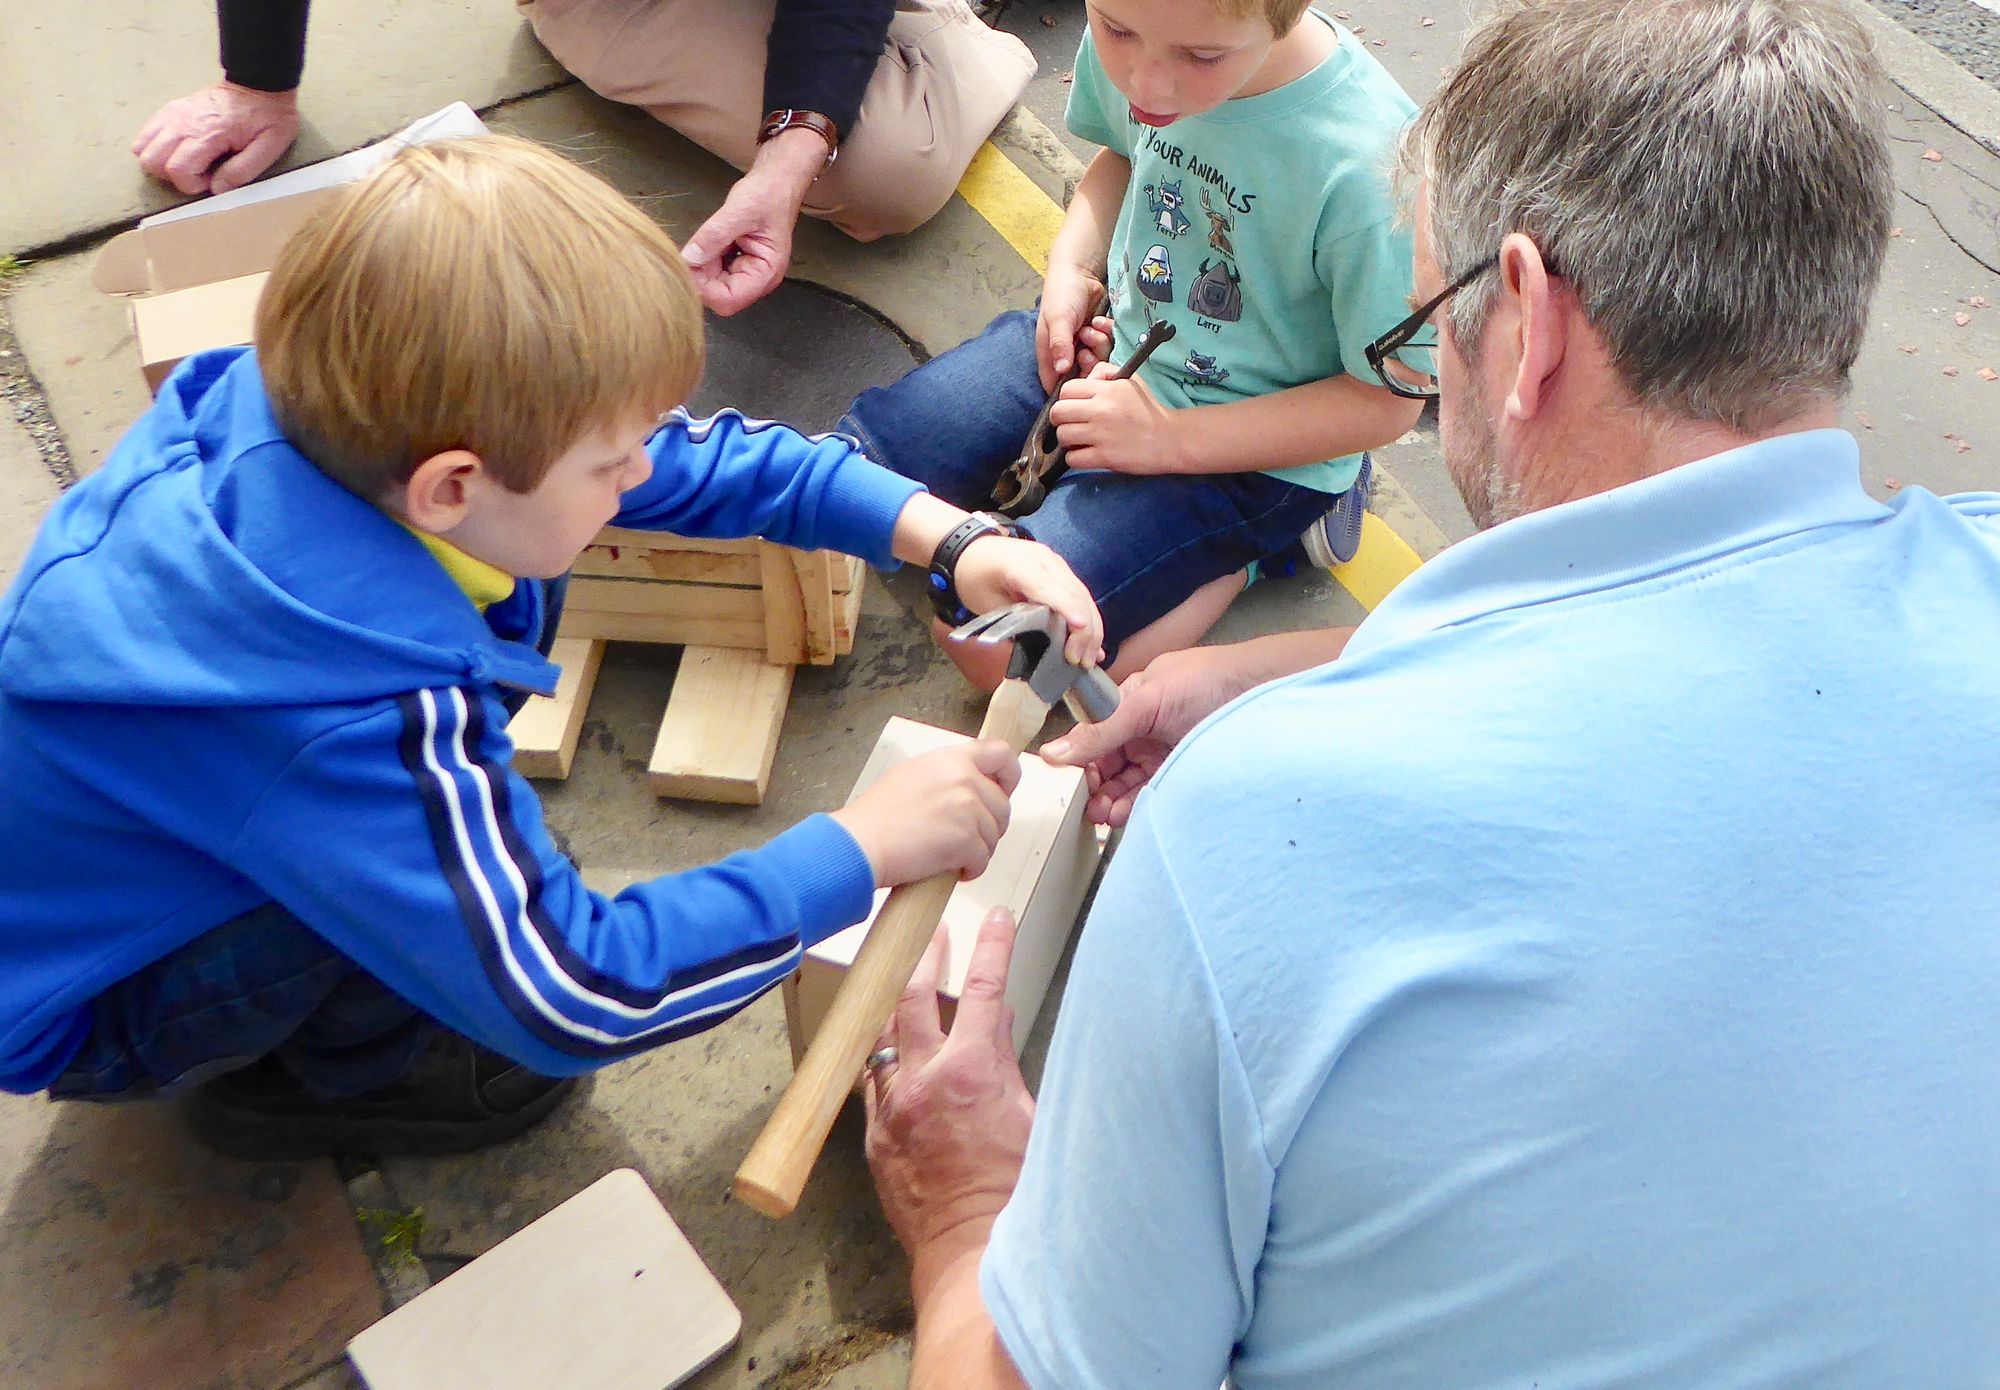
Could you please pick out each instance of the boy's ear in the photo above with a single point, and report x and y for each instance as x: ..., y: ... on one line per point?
x: 439, y: 493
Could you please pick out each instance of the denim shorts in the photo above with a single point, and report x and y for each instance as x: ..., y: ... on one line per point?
x: 1142, y: 545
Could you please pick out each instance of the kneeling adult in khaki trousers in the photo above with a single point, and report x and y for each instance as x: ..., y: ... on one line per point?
x: 908, y: 90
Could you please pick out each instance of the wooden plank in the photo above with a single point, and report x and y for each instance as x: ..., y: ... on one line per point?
x: 681, y: 566
x: 847, y: 612
x: 720, y: 734
x: 669, y: 628
x: 847, y: 570
x: 545, y: 730
x: 784, y: 607
x: 816, y: 588
x: 603, y: 1292
x: 666, y: 540
x: 678, y: 600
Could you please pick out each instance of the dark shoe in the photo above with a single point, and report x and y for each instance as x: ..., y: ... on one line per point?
x: 457, y: 1097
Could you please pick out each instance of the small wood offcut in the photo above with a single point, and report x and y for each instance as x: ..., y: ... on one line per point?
x: 747, y: 612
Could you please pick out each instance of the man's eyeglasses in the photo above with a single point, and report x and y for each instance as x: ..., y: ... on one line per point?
x: 1417, y: 331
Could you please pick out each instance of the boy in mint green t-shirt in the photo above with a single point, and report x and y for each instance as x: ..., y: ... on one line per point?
x: 1243, y: 196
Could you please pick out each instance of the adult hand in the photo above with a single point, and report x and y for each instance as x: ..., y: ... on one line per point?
x: 994, y: 571
x: 1067, y: 336
x: 741, y: 253
x: 1156, y: 709
x: 1115, y: 423
x: 948, y: 1120
x: 938, y: 812
x: 242, y: 128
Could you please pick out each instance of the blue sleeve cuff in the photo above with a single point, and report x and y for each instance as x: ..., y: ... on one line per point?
x: 863, y: 500
x: 828, y: 874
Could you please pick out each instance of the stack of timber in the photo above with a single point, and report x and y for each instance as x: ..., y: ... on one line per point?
x: 746, y: 611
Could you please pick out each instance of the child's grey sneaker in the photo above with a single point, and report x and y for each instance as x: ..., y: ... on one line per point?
x: 1335, y: 537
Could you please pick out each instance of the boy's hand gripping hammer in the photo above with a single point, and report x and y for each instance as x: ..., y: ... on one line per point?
x: 775, y: 1170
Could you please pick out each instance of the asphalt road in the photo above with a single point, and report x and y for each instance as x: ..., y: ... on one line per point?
x: 1965, y: 31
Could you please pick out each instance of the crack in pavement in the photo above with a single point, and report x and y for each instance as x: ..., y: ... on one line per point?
x: 1970, y: 254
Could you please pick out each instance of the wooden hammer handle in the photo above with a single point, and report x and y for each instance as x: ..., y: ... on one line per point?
x: 775, y: 1170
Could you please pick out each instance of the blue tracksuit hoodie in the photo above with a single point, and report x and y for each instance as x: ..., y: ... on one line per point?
x: 224, y: 679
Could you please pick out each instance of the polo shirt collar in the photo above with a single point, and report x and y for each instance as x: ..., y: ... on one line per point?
x: 1687, y: 515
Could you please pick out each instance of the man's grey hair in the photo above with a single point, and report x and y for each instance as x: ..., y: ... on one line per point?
x: 1710, y: 177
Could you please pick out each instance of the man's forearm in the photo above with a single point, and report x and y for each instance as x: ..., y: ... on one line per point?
x: 957, y: 1345
x: 1320, y: 420
x: 263, y: 42
x: 822, y: 54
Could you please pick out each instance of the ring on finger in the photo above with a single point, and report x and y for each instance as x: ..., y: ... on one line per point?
x: 878, y: 1059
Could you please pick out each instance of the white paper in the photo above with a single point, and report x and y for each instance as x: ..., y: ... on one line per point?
x: 454, y: 120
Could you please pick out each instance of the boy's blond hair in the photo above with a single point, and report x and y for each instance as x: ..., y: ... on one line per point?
x: 481, y: 294
x: 1281, y: 15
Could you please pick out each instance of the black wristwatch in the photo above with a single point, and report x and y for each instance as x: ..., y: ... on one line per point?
x: 944, y: 562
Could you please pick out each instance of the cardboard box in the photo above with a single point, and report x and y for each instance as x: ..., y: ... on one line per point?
x: 1041, y: 869
x: 207, y: 259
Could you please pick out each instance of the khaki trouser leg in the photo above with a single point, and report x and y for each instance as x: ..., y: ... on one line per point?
x: 945, y: 80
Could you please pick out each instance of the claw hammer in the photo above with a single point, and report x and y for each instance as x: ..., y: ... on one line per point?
x: 775, y: 1170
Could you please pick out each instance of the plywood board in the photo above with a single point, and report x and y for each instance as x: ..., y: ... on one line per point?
x: 603, y: 1292
x: 1040, y: 871
x: 546, y: 729
x: 720, y: 734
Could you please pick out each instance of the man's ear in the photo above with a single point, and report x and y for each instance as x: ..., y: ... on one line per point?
x: 1541, y: 325
x: 439, y: 493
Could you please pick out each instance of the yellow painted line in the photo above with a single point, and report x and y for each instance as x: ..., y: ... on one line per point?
x: 1028, y: 220
x: 1383, y: 561
x: 1016, y: 206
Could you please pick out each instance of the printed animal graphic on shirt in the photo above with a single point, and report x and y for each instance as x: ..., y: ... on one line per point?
x: 1220, y: 225
x: 1217, y: 292
x: 1165, y: 202
x: 1201, y: 367
x: 1156, y: 275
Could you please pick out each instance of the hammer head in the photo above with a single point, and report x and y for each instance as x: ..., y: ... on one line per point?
x: 1038, y: 633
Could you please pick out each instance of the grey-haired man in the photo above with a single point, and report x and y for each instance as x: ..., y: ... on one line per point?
x: 1588, y: 979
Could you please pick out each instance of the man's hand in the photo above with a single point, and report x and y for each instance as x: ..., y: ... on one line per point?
x: 1156, y: 709
x: 938, y: 812
x: 995, y: 571
x: 948, y: 1120
x: 741, y: 253
x: 1067, y: 337
x: 1116, y: 424
x: 242, y: 128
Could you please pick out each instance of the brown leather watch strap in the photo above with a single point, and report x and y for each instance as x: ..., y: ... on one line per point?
x: 788, y: 118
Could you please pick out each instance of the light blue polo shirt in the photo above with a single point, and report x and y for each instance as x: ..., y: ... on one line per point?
x: 1592, y: 979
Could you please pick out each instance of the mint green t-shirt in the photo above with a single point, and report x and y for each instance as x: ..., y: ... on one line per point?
x: 1264, y: 230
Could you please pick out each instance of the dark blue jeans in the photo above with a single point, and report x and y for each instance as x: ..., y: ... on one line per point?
x: 1142, y: 545
x: 263, y: 984
x: 260, y: 985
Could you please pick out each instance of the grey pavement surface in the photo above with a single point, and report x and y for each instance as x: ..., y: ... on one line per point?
x: 1965, y: 31
x: 824, y: 1294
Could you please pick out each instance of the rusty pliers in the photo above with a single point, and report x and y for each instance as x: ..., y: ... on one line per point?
x: 1044, y: 458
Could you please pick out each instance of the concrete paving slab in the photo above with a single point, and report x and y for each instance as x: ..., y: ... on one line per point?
x: 82, y: 81
x: 131, y: 1256
x: 78, y: 345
